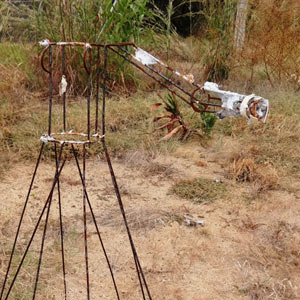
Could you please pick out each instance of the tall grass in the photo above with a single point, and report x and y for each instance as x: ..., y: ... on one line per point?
x: 218, y: 33
x: 15, y: 21
x: 215, y: 26
x: 273, y: 40
x: 164, y: 26
x: 77, y: 20
x: 90, y: 21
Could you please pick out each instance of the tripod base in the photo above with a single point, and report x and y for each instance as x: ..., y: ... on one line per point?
x: 68, y: 264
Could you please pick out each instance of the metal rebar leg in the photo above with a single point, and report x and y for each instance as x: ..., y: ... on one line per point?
x: 139, y: 270
x: 85, y: 227
x: 95, y: 223
x: 61, y: 227
x: 104, y: 89
x: 42, y: 248
x: 35, y: 229
x: 97, y: 90
x: 21, y: 219
x: 46, y: 224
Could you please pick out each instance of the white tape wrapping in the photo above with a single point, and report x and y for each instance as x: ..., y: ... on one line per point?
x: 44, y: 43
x: 244, y: 107
x: 144, y: 57
x: 235, y: 104
x: 63, y: 85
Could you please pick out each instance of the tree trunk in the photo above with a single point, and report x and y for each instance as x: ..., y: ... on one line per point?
x: 240, y: 24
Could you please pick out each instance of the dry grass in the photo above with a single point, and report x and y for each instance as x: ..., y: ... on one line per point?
x: 148, y: 163
x: 273, y: 40
x: 244, y: 169
x: 268, y: 272
x: 247, y: 249
x: 270, y: 145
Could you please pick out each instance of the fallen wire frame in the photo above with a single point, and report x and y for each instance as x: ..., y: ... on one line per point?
x: 63, y: 139
x: 207, y: 97
x: 192, y: 96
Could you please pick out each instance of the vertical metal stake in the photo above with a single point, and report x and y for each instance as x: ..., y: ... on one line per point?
x: 50, y: 90
x: 97, y: 89
x: 89, y: 94
x: 64, y: 94
x: 85, y: 229
x: 104, y: 89
x: 61, y: 226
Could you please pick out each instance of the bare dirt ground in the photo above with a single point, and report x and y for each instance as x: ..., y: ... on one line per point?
x: 247, y: 249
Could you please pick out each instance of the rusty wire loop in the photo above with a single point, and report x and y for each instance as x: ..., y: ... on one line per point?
x: 42, y: 60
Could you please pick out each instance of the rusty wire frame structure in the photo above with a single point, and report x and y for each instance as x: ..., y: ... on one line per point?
x: 93, y: 133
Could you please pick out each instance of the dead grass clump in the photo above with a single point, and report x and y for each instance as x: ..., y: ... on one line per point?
x: 243, y: 168
x: 199, y: 189
x: 147, y: 163
x: 139, y: 219
x: 13, y: 95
